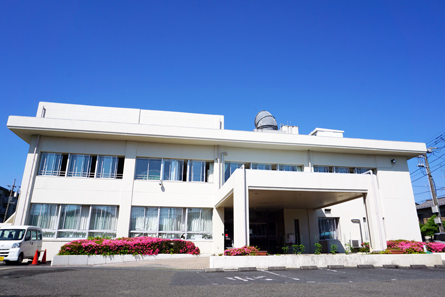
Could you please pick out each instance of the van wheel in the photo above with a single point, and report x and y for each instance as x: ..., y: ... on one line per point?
x: 20, y: 259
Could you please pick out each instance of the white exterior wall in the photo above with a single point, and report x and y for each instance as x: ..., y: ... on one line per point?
x: 387, y: 201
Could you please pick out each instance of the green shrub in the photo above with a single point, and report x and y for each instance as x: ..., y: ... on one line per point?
x: 318, y: 249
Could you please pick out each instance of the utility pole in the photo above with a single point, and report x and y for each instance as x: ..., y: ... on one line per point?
x: 9, y: 199
x: 435, y: 208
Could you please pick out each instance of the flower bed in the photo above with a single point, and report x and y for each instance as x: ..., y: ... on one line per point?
x: 243, y: 251
x: 125, y: 246
x: 410, y: 247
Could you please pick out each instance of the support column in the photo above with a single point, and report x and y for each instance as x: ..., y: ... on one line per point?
x: 218, y: 230
x: 123, y: 224
x: 240, y: 209
x: 27, y: 186
x: 375, y: 217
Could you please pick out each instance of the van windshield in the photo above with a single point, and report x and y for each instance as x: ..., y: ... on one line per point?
x: 11, y: 234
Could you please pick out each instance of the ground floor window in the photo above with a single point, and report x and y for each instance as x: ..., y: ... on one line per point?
x: 327, y: 228
x: 74, y: 221
x: 171, y: 222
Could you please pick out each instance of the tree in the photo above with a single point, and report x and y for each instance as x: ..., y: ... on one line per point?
x: 430, y: 227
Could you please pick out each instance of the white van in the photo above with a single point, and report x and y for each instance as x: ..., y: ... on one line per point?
x: 19, y: 242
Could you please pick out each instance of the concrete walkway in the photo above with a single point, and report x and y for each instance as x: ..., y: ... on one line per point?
x: 195, y: 263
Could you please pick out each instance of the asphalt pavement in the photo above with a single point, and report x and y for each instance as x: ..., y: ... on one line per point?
x: 27, y: 280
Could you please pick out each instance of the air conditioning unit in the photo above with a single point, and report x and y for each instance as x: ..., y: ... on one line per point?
x: 355, y: 243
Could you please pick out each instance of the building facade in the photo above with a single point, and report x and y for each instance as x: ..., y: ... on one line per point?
x: 117, y: 172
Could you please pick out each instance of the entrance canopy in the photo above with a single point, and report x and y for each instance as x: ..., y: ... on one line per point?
x: 293, y: 199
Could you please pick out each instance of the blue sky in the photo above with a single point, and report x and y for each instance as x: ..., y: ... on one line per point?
x: 375, y: 69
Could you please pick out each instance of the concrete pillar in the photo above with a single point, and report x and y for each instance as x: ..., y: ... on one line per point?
x: 240, y: 209
x: 123, y: 225
x: 27, y: 186
x: 218, y: 230
x: 375, y: 216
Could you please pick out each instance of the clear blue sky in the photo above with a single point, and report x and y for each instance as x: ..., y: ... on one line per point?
x: 375, y: 69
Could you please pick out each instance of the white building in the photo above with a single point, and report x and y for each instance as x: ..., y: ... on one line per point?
x: 128, y: 172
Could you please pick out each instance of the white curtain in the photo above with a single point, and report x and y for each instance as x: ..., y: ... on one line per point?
x: 44, y: 216
x: 103, y: 218
x: 171, y: 219
x: 206, y: 218
x: 194, y: 219
x: 144, y: 219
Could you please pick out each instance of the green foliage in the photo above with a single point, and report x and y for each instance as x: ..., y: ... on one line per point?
x: 298, y: 248
x: 318, y: 249
x: 334, y: 248
x: 430, y: 227
x: 348, y: 248
x: 285, y: 249
x: 364, y: 248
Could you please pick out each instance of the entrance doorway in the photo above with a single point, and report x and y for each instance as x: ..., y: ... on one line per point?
x: 266, y: 229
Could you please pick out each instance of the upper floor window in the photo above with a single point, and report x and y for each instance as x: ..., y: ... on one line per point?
x: 230, y: 167
x: 173, y: 169
x: 106, y: 167
x: 338, y: 169
x: 50, y: 164
x: 78, y: 165
x: 285, y: 167
x: 259, y: 166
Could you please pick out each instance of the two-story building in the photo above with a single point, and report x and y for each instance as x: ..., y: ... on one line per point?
x: 119, y: 172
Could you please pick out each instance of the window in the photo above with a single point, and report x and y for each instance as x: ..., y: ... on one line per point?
x: 229, y: 169
x: 79, y: 165
x: 74, y: 221
x: 322, y: 169
x: 106, y: 167
x: 259, y: 166
x: 339, y: 169
x: 327, y: 228
x: 50, y: 164
x: 103, y: 221
x: 199, y: 223
x: 45, y: 216
x: 148, y: 169
x: 145, y: 221
x: 197, y: 171
x: 361, y: 170
x: 284, y: 167
x: 173, y: 169
x: 342, y: 170
x: 186, y: 223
